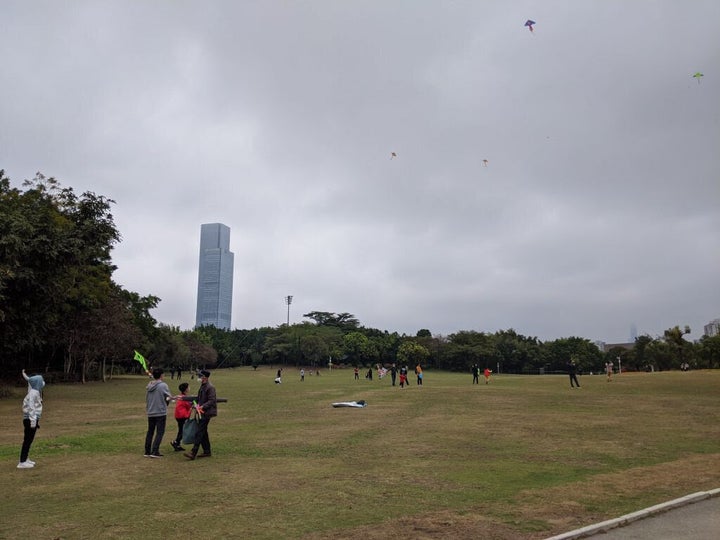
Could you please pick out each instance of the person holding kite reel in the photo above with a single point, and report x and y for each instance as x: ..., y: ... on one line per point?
x: 206, y: 407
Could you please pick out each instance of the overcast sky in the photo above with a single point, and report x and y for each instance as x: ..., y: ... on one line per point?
x: 598, y: 207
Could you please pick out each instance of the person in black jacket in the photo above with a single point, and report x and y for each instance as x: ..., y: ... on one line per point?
x: 207, y: 408
x: 572, y: 372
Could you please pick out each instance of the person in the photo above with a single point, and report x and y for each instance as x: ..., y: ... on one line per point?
x: 278, y: 379
x: 487, y: 373
x: 357, y: 374
x: 403, y: 377
x: 393, y: 373
x: 156, y: 400
x: 183, y: 409
x: 207, y: 408
x: 368, y: 375
x: 172, y: 372
x: 609, y: 370
x: 419, y: 373
x: 32, y: 410
x: 476, y: 374
x: 572, y: 372
x: 179, y: 373
x: 302, y: 375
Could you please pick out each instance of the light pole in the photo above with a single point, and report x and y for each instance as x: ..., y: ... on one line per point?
x: 288, y: 301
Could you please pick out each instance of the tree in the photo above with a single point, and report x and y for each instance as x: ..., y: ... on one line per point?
x: 678, y: 347
x: 345, y: 321
x: 357, y: 348
x: 55, y: 265
x: 709, y: 351
x: 412, y: 354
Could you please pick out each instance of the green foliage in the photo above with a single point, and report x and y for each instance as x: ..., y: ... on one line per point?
x: 412, y: 354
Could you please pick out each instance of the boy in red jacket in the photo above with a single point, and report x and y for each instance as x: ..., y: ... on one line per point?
x: 182, y: 413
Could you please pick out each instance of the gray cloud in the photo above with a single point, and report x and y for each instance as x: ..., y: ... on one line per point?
x: 597, y: 210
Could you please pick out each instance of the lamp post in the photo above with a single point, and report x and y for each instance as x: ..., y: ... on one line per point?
x: 288, y: 301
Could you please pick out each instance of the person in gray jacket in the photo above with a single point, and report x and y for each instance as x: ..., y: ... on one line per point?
x: 157, y: 399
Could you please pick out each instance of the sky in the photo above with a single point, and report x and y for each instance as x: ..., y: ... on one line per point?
x: 561, y: 182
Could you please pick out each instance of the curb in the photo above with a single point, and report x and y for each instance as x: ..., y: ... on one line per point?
x: 605, y: 526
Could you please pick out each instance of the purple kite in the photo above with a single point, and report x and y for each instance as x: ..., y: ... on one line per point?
x: 529, y: 23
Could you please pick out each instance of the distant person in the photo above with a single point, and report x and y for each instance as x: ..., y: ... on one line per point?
x: 419, y: 373
x: 32, y: 411
x: 393, y: 373
x: 207, y: 408
x: 179, y: 373
x: 487, y: 373
x: 572, y: 372
x: 172, y: 372
x: 403, y: 377
x: 278, y: 379
x: 183, y: 409
x: 368, y: 375
x: 476, y: 374
x: 609, y: 370
x: 302, y: 375
x: 156, y: 400
x: 357, y: 374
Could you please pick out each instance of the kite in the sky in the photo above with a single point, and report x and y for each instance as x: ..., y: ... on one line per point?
x: 485, y: 162
x: 698, y: 76
x: 529, y: 23
x: 393, y: 155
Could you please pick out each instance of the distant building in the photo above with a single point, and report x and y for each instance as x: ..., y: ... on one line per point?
x: 712, y: 328
x: 605, y: 347
x: 215, y: 277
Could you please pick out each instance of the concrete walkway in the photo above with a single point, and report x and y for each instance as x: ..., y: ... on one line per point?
x: 693, y: 517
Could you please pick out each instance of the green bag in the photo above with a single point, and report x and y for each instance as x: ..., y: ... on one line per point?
x: 190, y: 429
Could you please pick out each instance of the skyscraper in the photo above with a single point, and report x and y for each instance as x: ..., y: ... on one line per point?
x: 215, y: 277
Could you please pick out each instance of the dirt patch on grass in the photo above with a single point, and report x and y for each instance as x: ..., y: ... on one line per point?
x: 430, y: 526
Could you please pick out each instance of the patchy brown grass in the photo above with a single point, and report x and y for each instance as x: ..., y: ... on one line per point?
x: 521, y: 458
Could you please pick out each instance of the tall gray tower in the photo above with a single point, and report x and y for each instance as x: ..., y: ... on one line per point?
x: 215, y: 277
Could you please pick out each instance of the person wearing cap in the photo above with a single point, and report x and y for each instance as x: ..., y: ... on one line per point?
x: 32, y: 410
x: 207, y: 408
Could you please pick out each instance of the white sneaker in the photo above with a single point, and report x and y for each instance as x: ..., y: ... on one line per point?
x: 30, y: 461
x: 25, y: 465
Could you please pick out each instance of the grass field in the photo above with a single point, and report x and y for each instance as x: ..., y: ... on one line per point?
x: 522, y: 457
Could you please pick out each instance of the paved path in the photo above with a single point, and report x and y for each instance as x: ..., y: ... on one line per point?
x: 694, y: 517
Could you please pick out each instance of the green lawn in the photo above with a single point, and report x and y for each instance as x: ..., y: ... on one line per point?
x: 522, y: 457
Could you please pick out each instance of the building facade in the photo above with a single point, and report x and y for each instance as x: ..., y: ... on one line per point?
x: 215, y: 277
x: 712, y: 328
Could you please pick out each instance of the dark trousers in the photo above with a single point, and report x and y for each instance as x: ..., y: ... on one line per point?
x: 156, y: 427
x: 573, y: 377
x: 476, y: 379
x: 181, y: 424
x: 392, y: 375
x: 201, y: 437
x: 28, y: 439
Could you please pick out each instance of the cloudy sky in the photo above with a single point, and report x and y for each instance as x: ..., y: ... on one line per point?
x: 598, y: 207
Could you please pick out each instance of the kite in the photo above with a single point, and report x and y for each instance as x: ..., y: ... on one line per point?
x: 139, y: 357
x: 393, y: 155
x: 485, y: 162
x: 353, y: 404
x: 697, y: 76
x: 529, y: 23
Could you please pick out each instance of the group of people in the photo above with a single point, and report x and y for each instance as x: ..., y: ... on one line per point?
x: 157, y: 399
x: 476, y: 374
x: 403, y: 372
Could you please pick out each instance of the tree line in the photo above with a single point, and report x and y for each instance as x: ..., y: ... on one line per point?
x: 61, y: 313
